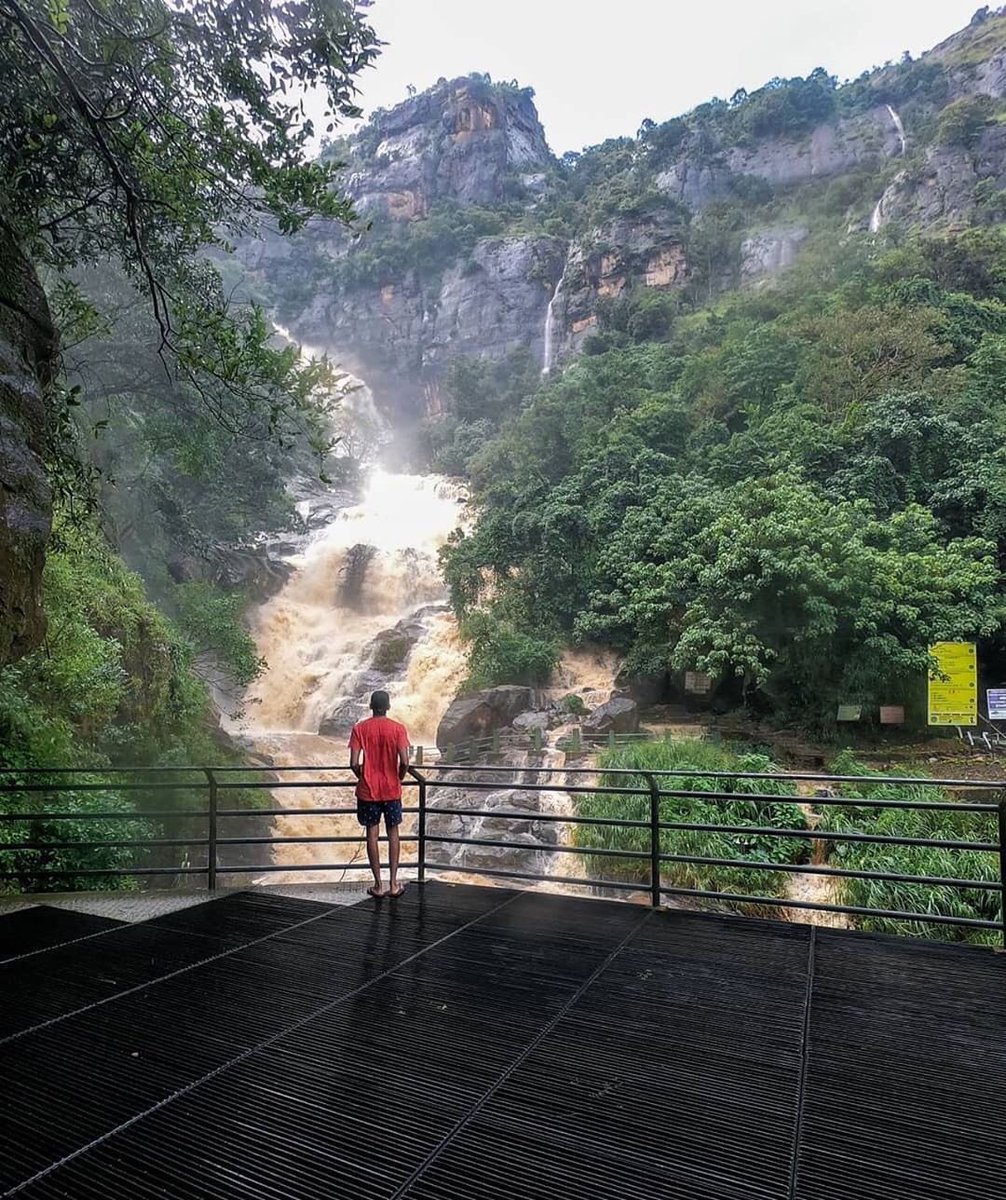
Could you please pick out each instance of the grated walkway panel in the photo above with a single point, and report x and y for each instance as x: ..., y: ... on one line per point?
x: 30, y: 930
x: 477, y: 1044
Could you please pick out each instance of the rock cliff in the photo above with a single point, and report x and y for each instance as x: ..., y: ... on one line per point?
x: 27, y: 346
x: 480, y: 241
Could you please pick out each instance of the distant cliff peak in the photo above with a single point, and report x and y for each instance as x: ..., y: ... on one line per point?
x: 464, y: 140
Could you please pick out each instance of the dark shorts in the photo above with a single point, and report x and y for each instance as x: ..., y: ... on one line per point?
x: 370, y: 812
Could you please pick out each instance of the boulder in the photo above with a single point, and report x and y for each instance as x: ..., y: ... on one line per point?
x: 479, y: 713
x: 341, y: 720
x: 527, y: 721
x: 619, y: 715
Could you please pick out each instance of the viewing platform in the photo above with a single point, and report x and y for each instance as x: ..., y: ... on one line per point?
x: 463, y: 1043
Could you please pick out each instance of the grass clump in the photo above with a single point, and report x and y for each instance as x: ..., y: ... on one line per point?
x: 927, y: 899
x: 695, y: 758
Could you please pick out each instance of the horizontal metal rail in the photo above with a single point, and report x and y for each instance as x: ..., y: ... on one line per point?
x: 646, y: 791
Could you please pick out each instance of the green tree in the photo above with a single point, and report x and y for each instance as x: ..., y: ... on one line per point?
x: 144, y: 132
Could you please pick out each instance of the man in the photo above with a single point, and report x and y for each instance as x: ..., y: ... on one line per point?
x: 384, y: 747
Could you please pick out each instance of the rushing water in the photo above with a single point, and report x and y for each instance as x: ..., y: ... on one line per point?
x: 372, y: 568
x: 367, y: 579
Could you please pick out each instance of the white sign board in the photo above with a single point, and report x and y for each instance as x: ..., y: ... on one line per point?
x: 996, y: 698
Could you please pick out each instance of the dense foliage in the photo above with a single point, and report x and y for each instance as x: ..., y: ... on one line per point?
x: 797, y: 491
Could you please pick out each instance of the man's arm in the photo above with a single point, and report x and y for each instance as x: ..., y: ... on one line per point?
x: 354, y: 763
x: 403, y: 753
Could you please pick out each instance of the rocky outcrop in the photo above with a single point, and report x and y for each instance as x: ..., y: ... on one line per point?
x: 619, y: 715
x: 462, y: 140
x: 702, y: 175
x: 401, y: 338
x: 645, y: 251
x: 945, y: 188
x: 27, y: 349
x: 479, y: 713
x: 771, y: 251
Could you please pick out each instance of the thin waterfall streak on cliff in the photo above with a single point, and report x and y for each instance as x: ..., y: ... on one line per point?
x: 876, y: 216
x: 896, y: 121
x: 549, y: 355
x: 549, y: 334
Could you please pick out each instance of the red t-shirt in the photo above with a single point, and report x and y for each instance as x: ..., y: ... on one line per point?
x: 380, y: 739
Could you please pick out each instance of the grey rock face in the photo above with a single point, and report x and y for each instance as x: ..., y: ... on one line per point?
x: 943, y: 189
x: 461, y: 140
x: 401, y: 339
x: 700, y: 178
x: 479, y: 713
x: 619, y: 715
x: 27, y: 347
x: 771, y: 251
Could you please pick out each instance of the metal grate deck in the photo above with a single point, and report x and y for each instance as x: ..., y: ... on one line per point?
x: 476, y: 1044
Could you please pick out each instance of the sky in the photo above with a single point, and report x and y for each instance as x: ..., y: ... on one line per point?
x: 598, y: 67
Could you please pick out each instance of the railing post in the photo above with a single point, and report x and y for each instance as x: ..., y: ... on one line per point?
x: 419, y: 756
x: 654, y: 841
x: 1002, y: 861
x: 421, y: 831
x: 211, y: 848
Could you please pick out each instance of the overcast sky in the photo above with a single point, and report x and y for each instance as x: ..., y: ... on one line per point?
x: 598, y: 67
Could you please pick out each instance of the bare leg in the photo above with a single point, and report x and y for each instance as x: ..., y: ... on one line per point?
x: 394, y: 851
x: 374, y: 854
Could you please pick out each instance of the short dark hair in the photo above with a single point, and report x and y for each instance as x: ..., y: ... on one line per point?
x: 380, y: 702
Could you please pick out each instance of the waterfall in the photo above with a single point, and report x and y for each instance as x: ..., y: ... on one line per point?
x: 896, y: 121
x: 549, y: 334
x: 371, y: 568
x: 876, y: 216
x: 365, y: 607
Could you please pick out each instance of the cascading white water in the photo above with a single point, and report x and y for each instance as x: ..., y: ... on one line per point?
x: 896, y: 121
x: 370, y: 572
x: 372, y: 567
x: 549, y: 335
x: 548, y: 356
x: 876, y: 216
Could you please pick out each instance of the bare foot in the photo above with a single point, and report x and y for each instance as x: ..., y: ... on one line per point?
x: 394, y: 893
x: 376, y: 891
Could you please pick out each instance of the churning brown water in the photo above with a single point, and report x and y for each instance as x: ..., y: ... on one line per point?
x: 371, y: 569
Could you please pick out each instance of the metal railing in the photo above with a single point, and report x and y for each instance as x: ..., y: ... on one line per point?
x: 30, y: 845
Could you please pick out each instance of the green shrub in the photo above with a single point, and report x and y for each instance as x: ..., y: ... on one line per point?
x: 974, y: 903
x: 502, y: 653
x: 694, y: 756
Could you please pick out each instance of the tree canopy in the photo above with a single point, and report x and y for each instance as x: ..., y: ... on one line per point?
x: 144, y: 131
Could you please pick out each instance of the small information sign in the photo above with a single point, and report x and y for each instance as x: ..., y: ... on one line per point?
x: 892, y: 714
x: 698, y: 682
x: 953, y: 687
x: 996, y: 698
x: 850, y: 712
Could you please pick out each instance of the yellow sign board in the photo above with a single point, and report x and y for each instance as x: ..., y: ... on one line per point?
x: 953, y: 687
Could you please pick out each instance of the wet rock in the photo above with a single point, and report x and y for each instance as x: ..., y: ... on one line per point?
x: 390, y: 650
x: 525, y: 722
x: 479, y: 713
x: 619, y: 715
x: 339, y: 722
